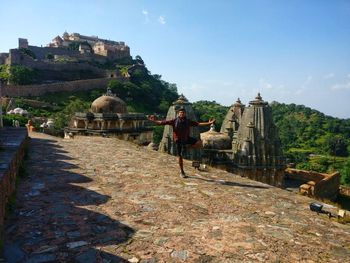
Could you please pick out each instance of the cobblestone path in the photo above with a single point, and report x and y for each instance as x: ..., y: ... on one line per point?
x: 93, y: 199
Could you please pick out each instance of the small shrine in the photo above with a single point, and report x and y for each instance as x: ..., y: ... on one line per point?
x: 108, y: 116
x: 255, y: 151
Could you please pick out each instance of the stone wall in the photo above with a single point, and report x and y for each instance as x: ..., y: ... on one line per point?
x: 273, y: 177
x: 50, y: 70
x: 38, y: 90
x: 304, y: 176
x: 13, y: 142
x: 3, y: 57
x: 328, y: 187
x: 344, y: 190
x: 315, y: 184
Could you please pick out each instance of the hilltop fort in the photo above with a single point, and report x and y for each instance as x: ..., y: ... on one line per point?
x: 70, y: 57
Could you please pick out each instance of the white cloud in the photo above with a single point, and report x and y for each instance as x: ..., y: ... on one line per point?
x: 341, y: 86
x: 146, y: 15
x: 329, y: 75
x: 161, y: 20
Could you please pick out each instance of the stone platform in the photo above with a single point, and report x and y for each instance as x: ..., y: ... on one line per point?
x: 94, y: 199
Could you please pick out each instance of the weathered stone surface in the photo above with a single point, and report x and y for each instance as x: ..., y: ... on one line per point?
x: 13, y: 253
x: 152, y: 215
x: 87, y: 257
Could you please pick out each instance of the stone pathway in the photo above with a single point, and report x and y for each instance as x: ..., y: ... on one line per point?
x: 93, y: 199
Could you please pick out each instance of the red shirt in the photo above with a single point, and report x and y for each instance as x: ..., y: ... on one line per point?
x: 181, y: 128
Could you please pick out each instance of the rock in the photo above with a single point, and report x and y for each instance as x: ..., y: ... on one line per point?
x: 143, y: 234
x: 102, y: 218
x: 45, y: 249
x: 134, y: 260
x: 160, y: 241
x: 13, y: 253
x: 180, y: 254
x: 73, y: 234
x: 270, y: 213
x: 41, y: 258
x: 99, y: 229
x: 153, y: 146
x: 87, y: 257
x: 76, y: 244
x: 38, y: 186
x: 151, y: 260
x: 34, y: 193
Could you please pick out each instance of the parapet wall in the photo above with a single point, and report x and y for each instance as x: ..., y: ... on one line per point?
x: 273, y: 177
x: 38, y: 90
x: 13, y: 142
x: 303, y: 175
x: 319, y: 185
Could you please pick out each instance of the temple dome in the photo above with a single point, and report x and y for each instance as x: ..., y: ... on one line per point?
x: 215, y: 140
x: 108, y: 104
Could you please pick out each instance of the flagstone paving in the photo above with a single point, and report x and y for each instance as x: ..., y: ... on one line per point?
x: 93, y: 199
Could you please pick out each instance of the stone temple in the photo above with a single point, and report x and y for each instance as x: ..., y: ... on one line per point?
x: 108, y: 116
x: 255, y: 150
x: 167, y: 143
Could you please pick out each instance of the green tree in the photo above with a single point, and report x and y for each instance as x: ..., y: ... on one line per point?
x: 337, y: 145
x: 28, y: 52
x: 49, y: 56
x: 4, y: 73
x: 139, y: 60
x: 206, y: 110
x: 21, y: 75
x: 63, y: 117
x: 345, y: 173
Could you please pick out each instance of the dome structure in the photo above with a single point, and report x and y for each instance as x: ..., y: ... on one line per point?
x: 215, y: 140
x: 108, y: 103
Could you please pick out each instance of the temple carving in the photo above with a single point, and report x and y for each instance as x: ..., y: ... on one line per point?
x: 255, y: 151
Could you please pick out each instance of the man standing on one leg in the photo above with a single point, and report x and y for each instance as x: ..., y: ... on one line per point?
x: 181, y: 134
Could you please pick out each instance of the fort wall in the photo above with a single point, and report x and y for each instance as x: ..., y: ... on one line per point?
x: 77, y: 66
x: 14, y: 144
x: 38, y: 90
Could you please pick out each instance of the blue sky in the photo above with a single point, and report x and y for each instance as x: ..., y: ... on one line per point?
x: 291, y: 51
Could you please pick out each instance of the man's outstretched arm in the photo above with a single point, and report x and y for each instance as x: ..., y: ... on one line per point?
x: 153, y: 119
x: 210, y: 122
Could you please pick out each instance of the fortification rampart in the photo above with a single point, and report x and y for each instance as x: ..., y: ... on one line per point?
x: 38, y: 90
x: 77, y: 66
x: 17, y: 57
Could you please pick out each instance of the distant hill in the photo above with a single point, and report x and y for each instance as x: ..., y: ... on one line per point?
x: 304, y: 128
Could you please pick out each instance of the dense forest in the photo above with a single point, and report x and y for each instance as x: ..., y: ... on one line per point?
x: 313, y: 140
